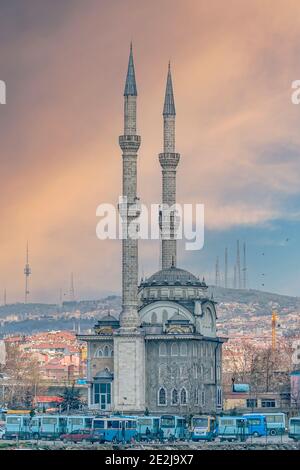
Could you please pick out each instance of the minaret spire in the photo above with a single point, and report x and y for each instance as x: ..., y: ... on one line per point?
x: 130, y: 84
x: 169, y: 105
x: 169, y: 160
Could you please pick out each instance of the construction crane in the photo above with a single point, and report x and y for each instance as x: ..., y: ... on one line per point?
x: 274, y: 320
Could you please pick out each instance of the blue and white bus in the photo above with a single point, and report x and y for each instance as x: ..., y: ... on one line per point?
x: 115, y: 428
x: 17, y: 426
x: 148, y: 427
x: 256, y: 424
x: 232, y: 428
x: 52, y: 426
x: 294, y: 428
x: 173, y: 427
x: 276, y: 423
x: 79, y: 422
x: 203, y: 428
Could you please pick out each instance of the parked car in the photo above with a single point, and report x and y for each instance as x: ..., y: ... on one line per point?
x: 81, y: 435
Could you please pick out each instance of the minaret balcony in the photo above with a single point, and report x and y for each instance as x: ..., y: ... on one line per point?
x: 169, y: 160
x: 130, y: 143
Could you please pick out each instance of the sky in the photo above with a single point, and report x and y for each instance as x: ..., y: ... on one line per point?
x: 64, y: 64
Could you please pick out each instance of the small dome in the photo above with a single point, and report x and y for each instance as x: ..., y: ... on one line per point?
x: 173, y: 276
x: 177, y: 318
x: 108, y: 319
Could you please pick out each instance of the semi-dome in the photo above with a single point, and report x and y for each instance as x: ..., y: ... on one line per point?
x: 171, y: 277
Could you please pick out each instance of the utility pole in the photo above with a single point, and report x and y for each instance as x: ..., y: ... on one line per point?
x: 226, y: 267
x: 27, y: 272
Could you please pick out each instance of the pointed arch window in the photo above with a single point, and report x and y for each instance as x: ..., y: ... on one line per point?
x: 106, y: 351
x: 174, y: 397
x: 154, y: 317
x: 162, y: 396
x: 162, y: 349
x: 98, y: 353
x: 183, y: 396
x: 164, y: 316
x: 174, y: 349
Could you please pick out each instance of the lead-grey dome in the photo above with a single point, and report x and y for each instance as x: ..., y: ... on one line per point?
x: 171, y: 277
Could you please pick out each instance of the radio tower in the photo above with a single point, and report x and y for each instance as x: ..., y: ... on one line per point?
x: 244, y: 267
x: 238, y: 264
x: 27, y: 272
x: 234, y: 277
x: 72, y: 291
x: 217, y: 272
x: 226, y: 268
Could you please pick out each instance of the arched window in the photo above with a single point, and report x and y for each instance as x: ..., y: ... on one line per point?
x: 162, y: 396
x: 162, y: 349
x: 174, y: 349
x: 196, y: 396
x: 195, y: 349
x: 183, y: 396
x: 202, y: 371
x: 154, y: 317
x: 164, y: 316
x: 211, y: 373
x: 99, y: 353
x: 195, y: 371
x: 174, y: 397
x: 183, y: 349
x: 203, y: 398
x: 106, y: 351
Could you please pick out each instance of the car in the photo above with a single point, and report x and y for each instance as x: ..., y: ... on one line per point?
x: 81, y: 435
x: 2, y: 433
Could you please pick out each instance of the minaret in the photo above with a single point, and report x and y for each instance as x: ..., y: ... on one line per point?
x: 129, y: 342
x: 129, y: 143
x: 168, y: 161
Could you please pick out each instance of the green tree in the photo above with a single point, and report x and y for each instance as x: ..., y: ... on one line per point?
x: 71, y: 399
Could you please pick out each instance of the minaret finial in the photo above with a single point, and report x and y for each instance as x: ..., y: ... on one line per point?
x: 130, y: 85
x: 169, y: 105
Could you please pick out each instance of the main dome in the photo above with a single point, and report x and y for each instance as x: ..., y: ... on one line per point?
x: 171, y: 277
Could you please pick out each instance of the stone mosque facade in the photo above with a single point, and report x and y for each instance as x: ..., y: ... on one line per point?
x: 163, y: 354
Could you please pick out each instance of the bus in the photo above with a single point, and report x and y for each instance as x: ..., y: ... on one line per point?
x: 232, y: 428
x: 148, y: 427
x: 294, y: 428
x: 115, y: 429
x: 52, y: 426
x: 75, y: 422
x: 256, y: 424
x: 203, y: 428
x: 173, y: 427
x: 17, y: 426
x: 276, y: 423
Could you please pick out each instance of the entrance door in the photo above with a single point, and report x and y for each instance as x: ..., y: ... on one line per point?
x: 102, y: 395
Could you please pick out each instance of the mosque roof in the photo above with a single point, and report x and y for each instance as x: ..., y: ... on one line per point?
x: 173, y: 276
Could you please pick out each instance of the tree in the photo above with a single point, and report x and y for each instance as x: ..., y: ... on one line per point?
x: 71, y: 399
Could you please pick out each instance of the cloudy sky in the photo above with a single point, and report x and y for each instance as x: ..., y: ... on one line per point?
x: 64, y: 64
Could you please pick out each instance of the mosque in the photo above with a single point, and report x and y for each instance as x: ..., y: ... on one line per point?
x: 162, y: 354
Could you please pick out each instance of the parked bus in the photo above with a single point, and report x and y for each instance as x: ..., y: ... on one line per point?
x: 232, y: 428
x: 256, y: 424
x: 17, y: 426
x: 75, y: 422
x: 173, y: 427
x: 203, y: 428
x: 294, y: 428
x: 115, y: 429
x: 276, y: 423
x: 52, y: 426
x: 148, y: 427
